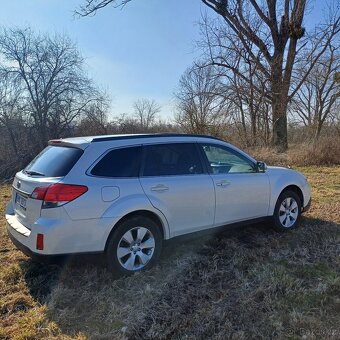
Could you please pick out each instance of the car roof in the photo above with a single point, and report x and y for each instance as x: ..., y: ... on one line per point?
x: 83, y: 142
x: 146, y: 135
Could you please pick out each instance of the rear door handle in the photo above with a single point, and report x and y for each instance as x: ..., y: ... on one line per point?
x: 222, y: 184
x: 160, y: 188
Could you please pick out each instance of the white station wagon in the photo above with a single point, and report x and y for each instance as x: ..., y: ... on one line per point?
x: 122, y: 195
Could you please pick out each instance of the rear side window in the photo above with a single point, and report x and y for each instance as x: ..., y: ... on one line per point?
x: 172, y: 159
x: 123, y: 162
x: 54, y: 161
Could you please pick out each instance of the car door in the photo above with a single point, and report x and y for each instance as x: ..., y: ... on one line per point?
x: 174, y: 180
x: 241, y: 192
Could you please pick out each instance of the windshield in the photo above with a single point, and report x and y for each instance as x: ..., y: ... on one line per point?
x: 54, y: 161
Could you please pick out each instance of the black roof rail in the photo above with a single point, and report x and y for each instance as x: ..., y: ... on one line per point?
x: 151, y: 135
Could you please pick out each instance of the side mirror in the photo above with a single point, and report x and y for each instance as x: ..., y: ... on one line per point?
x: 261, y: 167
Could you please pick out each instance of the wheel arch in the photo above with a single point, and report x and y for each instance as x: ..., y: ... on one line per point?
x: 145, y: 213
x: 295, y: 189
x: 278, y: 192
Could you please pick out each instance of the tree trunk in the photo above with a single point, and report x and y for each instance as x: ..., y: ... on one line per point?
x: 253, y: 127
x: 317, y: 131
x: 280, y: 132
x: 42, y: 136
x: 13, y: 140
x: 267, y: 126
x: 279, y: 107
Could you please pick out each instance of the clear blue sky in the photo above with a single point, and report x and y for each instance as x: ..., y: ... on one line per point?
x: 137, y: 52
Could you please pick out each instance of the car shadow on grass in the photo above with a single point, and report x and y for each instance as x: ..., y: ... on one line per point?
x: 82, y: 297
x: 42, y: 277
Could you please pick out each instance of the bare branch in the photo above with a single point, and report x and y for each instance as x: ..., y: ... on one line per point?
x: 92, y: 6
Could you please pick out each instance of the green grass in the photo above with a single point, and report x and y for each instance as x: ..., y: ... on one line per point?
x: 249, y: 282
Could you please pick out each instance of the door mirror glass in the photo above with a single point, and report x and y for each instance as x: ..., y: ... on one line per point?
x: 261, y: 166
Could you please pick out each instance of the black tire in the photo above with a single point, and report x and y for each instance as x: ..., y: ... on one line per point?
x: 287, y: 223
x: 116, y: 265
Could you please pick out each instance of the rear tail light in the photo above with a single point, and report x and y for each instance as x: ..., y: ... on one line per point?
x: 56, y: 195
x: 39, y: 193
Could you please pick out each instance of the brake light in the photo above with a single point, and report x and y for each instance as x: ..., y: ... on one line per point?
x: 58, y: 194
x: 64, y: 192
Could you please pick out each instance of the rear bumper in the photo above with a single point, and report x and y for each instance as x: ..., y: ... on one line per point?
x: 51, y: 259
x: 34, y: 256
x: 21, y: 237
x: 62, y: 235
x: 25, y: 240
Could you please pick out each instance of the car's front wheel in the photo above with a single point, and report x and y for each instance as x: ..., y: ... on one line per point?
x: 134, y: 245
x: 287, y: 211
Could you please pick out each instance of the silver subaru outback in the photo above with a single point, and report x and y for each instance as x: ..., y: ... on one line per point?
x: 122, y: 195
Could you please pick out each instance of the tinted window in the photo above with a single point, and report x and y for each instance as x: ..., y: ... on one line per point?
x: 123, y: 162
x: 54, y: 161
x: 223, y: 160
x: 172, y: 159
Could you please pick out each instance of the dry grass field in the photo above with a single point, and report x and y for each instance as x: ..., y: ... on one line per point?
x: 250, y: 282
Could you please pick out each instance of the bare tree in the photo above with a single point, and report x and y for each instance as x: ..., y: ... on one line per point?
x: 202, y: 105
x: 49, y: 72
x: 145, y: 111
x: 10, y: 110
x: 269, y: 31
x: 95, y: 118
x: 250, y: 99
x: 317, y: 99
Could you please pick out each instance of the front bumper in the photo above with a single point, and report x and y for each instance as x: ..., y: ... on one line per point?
x: 307, y: 207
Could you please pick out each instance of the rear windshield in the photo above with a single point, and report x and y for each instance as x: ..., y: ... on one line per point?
x: 54, y: 161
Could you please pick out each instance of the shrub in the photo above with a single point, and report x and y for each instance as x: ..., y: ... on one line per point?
x: 325, y: 151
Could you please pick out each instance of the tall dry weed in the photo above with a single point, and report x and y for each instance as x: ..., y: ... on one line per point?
x: 325, y: 151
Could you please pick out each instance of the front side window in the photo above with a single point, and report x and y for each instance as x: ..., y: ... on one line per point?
x: 124, y: 162
x: 223, y: 160
x: 172, y: 159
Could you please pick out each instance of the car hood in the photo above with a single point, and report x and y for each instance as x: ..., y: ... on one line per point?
x: 278, y: 170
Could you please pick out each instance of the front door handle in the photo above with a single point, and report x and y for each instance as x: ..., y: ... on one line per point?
x: 160, y: 188
x: 222, y: 183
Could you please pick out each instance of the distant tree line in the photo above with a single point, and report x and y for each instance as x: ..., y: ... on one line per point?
x: 262, y: 78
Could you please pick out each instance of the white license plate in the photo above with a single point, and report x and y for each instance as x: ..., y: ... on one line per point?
x: 21, y: 201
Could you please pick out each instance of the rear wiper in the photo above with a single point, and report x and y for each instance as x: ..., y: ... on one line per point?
x: 33, y: 173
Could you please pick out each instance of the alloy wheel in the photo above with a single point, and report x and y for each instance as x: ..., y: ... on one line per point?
x: 288, y: 212
x: 135, y: 248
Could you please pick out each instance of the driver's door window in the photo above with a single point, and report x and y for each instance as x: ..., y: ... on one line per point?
x: 225, y: 161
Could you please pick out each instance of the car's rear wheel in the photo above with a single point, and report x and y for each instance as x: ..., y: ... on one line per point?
x: 287, y: 211
x: 134, y: 245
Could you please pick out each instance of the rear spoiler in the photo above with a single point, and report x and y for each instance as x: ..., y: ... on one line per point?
x: 70, y: 142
